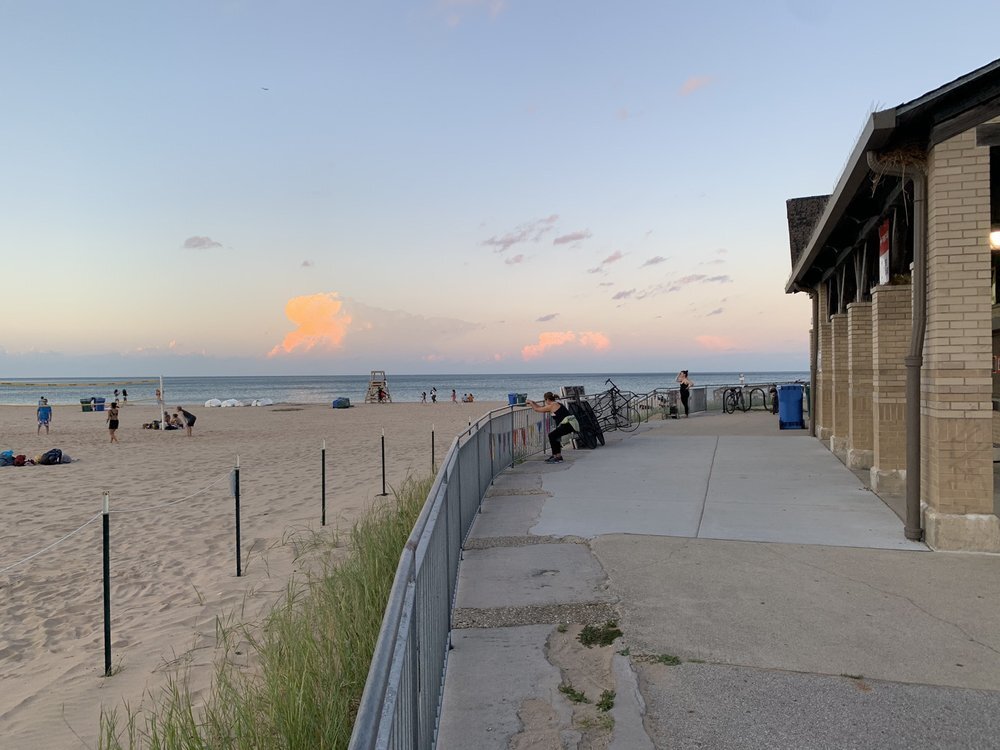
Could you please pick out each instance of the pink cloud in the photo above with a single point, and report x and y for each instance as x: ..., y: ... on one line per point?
x: 513, y: 261
x: 572, y: 237
x: 613, y: 258
x: 715, y: 343
x: 318, y: 322
x: 551, y: 339
x: 694, y: 84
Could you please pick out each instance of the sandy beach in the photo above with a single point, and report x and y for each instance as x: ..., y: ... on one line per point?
x: 173, y: 566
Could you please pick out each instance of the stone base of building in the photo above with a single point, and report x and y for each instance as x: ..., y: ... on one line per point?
x: 970, y: 532
x: 824, y: 434
x: 888, y: 481
x: 839, y: 447
x: 860, y: 459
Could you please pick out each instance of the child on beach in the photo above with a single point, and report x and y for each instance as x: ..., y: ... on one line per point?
x: 44, y: 414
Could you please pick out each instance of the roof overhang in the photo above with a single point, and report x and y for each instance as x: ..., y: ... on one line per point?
x: 933, y: 117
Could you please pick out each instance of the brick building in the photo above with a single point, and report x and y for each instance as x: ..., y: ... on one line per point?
x: 901, y: 262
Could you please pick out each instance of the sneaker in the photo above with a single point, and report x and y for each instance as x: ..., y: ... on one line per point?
x: 554, y: 459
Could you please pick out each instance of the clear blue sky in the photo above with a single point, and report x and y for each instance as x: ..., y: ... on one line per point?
x: 431, y: 186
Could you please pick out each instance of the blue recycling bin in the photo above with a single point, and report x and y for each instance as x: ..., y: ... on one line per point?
x: 790, y: 407
x: 511, y: 399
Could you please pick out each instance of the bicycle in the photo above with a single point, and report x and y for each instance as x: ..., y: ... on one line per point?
x: 732, y: 399
x: 615, y: 410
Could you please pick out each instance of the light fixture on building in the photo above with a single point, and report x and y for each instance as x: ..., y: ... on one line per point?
x: 995, y: 238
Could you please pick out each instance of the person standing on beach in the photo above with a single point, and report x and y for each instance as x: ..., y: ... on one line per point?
x: 44, y: 414
x: 116, y: 394
x: 112, y: 420
x: 686, y: 383
x: 559, y: 414
x: 124, y: 396
x: 454, y: 396
x: 423, y: 397
x: 189, y: 419
x: 434, y: 395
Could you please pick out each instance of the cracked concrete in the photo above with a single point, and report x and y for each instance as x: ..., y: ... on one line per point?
x: 759, y: 561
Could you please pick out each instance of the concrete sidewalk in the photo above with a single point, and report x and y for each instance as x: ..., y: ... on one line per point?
x: 798, y: 613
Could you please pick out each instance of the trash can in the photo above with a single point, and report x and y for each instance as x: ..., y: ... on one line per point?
x: 99, y: 405
x: 341, y: 403
x: 522, y: 399
x: 85, y: 404
x: 511, y: 399
x: 790, y: 407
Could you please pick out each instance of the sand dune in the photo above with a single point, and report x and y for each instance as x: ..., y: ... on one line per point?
x: 172, y: 541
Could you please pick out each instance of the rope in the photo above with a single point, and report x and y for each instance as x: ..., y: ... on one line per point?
x: 173, y: 502
x: 46, y: 549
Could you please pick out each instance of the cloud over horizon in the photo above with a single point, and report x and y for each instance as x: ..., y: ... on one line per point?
x: 532, y: 231
x: 572, y: 237
x: 551, y: 339
x: 200, y: 243
x: 695, y: 83
x: 318, y: 322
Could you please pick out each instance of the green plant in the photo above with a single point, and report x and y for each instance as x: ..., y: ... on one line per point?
x: 599, y: 635
x: 624, y: 652
x: 852, y: 676
x: 669, y: 659
x: 574, y: 695
x: 310, y: 655
x: 563, y: 627
x: 607, y: 701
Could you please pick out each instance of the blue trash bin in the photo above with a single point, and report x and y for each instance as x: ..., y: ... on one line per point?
x: 511, y: 399
x: 790, y: 407
x: 99, y: 406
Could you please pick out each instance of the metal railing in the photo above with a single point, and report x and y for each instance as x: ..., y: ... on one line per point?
x: 402, y: 696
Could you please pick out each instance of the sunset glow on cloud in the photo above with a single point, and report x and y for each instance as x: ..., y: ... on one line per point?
x: 550, y: 339
x: 318, y: 323
x: 715, y: 343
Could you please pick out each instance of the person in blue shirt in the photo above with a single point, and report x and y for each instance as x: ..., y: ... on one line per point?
x: 44, y: 415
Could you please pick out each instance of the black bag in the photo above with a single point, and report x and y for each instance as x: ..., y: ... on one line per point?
x: 51, y: 457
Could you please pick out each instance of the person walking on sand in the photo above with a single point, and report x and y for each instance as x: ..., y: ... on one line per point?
x: 434, y: 395
x: 454, y: 396
x: 560, y: 415
x: 44, y: 414
x: 189, y: 419
x: 124, y: 396
x: 423, y: 397
x: 686, y: 383
x: 112, y: 420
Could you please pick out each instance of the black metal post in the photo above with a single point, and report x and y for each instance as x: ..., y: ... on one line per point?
x: 107, y: 584
x: 383, y: 493
x: 433, y: 462
x: 236, y: 494
x: 323, y: 485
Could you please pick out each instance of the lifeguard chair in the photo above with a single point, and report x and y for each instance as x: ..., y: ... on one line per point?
x: 378, y: 384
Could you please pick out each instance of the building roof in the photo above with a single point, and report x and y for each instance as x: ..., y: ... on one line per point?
x: 803, y: 213
x: 918, y: 124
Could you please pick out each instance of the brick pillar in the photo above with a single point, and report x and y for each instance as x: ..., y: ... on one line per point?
x: 840, y: 386
x: 892, y: 322
x: 860, y: 451
x: 957, y: 465
x: 824, y: 399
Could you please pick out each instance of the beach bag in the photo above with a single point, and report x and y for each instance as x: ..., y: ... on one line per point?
x: 20, y: 460
x: 66, y: 459
x: 50, y: 457
x: 7, y: 458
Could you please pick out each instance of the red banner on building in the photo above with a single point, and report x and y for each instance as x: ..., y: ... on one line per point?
x: 883, y: 252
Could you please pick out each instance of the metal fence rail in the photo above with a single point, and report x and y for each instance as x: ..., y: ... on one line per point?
x: 399, y: 707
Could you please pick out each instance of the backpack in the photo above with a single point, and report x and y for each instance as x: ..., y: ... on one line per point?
x: 20, y: 459
x: 50, y: 457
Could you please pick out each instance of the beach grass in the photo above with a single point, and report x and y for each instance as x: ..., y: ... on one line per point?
x: 294, y: 680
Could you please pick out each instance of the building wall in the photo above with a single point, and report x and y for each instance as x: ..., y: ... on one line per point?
x: 892, y: 323
x: 957, y: 462
x: 824, y: 374
x: 859, y: 369
x: 840, y: 386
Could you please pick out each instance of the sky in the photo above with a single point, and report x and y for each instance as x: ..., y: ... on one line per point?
x: 431, y: 186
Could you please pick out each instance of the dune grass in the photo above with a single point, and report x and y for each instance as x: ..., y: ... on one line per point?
x: 309, y: 657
